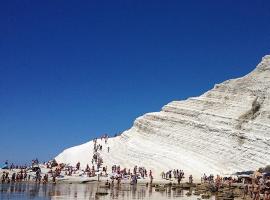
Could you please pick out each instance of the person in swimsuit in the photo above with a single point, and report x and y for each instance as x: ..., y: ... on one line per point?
x: 267, y: 191
x: 250, y: 189
x: 256, y: 191
x: 245, y: 192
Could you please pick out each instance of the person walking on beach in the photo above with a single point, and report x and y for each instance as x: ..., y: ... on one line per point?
x: 54, y: 179
x: 179, y: 178
x: 25, y: 175
x: 170, y: 175
x: 151, y: 178
x: 163, y: 175
x: 13, y: 177
x: 118, y: 180
x: 190, y: 179
x: 3, y: 177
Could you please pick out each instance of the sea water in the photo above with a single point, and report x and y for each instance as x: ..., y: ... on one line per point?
x: 23, y: 191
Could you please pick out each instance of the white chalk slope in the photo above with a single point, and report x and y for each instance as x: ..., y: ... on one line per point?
x: 225, y: 130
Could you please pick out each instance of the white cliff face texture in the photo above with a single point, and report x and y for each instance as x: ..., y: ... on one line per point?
x: 225, y: 130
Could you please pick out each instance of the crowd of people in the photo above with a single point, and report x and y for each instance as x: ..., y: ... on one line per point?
x: 95, y: 170
x: 257, y: 188
x: 13, y: 166
x: 15, y: 177
x: 176, y: 174
x: 118, y: 174
x: 23, y: 175
x: 132, y: 174
x: 32, y: 172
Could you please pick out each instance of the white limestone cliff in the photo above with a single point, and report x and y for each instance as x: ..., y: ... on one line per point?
x: 225, y: 130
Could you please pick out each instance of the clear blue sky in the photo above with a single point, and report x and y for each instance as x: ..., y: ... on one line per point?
x: 73, y: 70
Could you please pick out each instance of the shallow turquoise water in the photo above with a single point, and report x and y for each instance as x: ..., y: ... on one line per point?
x: 23, y: 191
